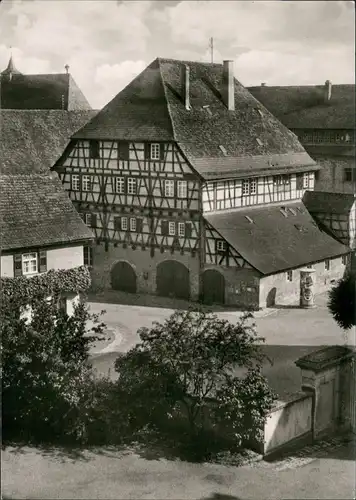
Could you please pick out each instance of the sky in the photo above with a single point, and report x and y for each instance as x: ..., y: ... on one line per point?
x: 106, y: 43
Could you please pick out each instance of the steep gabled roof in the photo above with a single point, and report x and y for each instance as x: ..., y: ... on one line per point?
x: 36, y: 211
x: 47, y: 91
x: 151, y: 108
x: 305, y: 107
x: 329, y: 203
x: 32, y: 140
x: 275, y: 242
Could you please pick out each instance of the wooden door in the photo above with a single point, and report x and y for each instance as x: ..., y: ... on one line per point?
x: 213, y: 287
x: 123, y: 277
x: 172, y: 280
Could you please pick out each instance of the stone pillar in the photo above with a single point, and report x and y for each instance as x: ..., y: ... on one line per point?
x: 326, y: 373
x: 307, y: 280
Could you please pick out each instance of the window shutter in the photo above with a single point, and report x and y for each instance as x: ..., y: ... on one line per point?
x: 299, y: 184
x: 117, y: 223
x: 161, y: 151
x: 164, y: 227
x: 147, y: 151
x: 188, y: 229
x: 93, y: 220
x: 123, y: 150
x: 139, y: 225
x: 43, y: 261
x: 17, y: 265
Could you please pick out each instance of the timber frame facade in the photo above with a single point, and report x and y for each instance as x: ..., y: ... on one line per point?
x: 145, y: 205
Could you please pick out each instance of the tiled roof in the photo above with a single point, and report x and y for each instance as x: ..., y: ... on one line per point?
x: 275, y: 242
x: 151, y: 107
x: 305, y: 106
x: 330, y: 203
x: 32, y: 140
x: 51, y: 91
x: 36, y: 211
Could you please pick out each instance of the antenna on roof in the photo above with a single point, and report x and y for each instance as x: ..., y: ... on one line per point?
x: 211, y: 45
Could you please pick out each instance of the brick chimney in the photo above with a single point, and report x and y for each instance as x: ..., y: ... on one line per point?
x: 327, y: 92
x: 228, y: 89
x: 186, y: 87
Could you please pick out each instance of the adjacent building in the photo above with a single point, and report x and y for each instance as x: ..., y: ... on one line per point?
x: 194, y: 190
x: 40, y: 230
x: 323, y: 118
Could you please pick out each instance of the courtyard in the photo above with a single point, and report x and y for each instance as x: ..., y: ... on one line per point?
x: 289, y: 332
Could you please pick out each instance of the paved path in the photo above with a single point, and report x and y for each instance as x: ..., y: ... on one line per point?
x: 109, y: 474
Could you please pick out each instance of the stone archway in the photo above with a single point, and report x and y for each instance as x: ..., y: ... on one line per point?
x: 123, y: 277
x: 213, y: 287
x: 172, y: 280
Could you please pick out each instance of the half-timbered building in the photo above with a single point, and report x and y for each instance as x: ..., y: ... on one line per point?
x: 193, y: 190
x: 323, y: 118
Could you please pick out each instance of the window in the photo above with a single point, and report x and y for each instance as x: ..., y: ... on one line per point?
x: 131, y: 185
x: 220, y: 245
x: 86, y: 182
x: 289, y: 275
x: 171, y: 228
x: 120, y: 185
x: 169, y: 188
x: 62, y: 304
x: 327, y: 265
x: 87, y: 219
x: 29, y: 263
x: 306, y: 180
x: 245, y: 187
x: 344, y: 259
x: 88, y: 256
x: 123, y: 151
x: 253, y: 186
x: 280, y: 180
x: 249, y: 187
x: 181, y: 229
x: 94, y: 150
x: 182, y: 189
x: 347, y: 174
x: 75, y: 182
x: 124, y: 225
x: 133, y: 224
x: 155, y: 151
x: 310, y: 266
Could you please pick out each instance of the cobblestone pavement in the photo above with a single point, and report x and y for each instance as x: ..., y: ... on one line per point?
x: 306, y: 455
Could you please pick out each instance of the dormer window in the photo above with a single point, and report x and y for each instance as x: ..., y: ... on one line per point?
x: 155, y: 151
x: 94, y: 150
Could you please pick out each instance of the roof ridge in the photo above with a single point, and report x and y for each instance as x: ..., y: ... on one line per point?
x: 183, y: 61
x: 166, y: 100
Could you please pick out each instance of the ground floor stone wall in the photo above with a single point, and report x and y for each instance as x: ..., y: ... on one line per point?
x: 277, y: 289
x: 239, y: 287
x: 144, y: 266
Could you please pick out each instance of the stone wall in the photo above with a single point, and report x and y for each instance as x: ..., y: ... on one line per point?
x: 276, y: 288
x: 144, y: 265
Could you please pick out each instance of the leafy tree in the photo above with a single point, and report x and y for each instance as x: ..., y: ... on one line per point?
x: 342, y: 301
x: 193, y: 364
x: 47, y: 380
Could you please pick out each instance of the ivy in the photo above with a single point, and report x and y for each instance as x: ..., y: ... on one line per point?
x: 24, y: 290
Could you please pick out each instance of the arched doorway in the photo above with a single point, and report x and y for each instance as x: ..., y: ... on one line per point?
x: 213, y: 287
x: 123, y: 277
x: 172, y: 280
